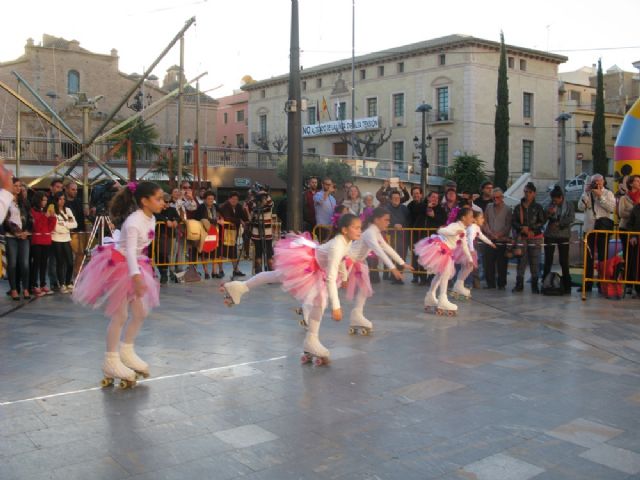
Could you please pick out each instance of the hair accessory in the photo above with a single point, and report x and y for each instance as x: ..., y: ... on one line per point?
x: 132, y: 186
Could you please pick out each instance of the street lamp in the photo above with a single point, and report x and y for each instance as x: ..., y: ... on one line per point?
x: 140, y: 102
x: 562, y: 120
x: 424, y: 170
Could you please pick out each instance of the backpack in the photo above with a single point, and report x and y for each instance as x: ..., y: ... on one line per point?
x: 552, y: 284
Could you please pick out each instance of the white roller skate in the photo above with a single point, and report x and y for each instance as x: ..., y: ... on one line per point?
x: 233, y: 292
x: 460, y: 291
x: 445, y: 307
x: 114, y: 368
x: 358, y: 323
x: 131, y: 360
x: 430, y: 301
x: 314, y: 351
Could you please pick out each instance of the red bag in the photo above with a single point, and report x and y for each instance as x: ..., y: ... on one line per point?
x: 611, y: 269
x: 211, y: 242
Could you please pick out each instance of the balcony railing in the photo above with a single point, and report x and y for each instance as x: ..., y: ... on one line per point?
x: 40, y: 151
x: 442, y: 116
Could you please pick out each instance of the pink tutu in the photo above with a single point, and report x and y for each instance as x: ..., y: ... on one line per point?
x: 106, y: 279
x: 295, y: 260
x: 434, y: 255
x: 460, y: 257
x: 358, y: 278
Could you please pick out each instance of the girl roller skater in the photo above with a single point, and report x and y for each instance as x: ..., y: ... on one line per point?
x: 121, y: 276
x: 310, y: 273
x: 473, y: 232
x: 370, y: 241
x: 435, y: 254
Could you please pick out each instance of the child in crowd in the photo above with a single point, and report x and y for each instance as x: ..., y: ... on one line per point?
x: 121, y: 276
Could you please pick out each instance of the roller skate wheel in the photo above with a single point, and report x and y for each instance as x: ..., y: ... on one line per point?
x: 305, y: 358
x: 364, y: 331
x: 451, y: 313
x: 106, y: 382
x: 143, y: 374
x: 298, y: 311
x: 127, y: 383
x: 302, y: 323
x: 318, y: 362
x: 352, y: 331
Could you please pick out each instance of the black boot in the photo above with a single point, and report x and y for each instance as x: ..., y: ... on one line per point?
x: 519, y: 285
x: 534, y: 285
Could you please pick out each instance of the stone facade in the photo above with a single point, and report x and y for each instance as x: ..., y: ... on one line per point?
x: 456, y: 75
x: 232, y: 120
x: 57, y: 67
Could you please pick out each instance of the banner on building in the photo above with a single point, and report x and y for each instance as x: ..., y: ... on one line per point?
x: 341, y: 126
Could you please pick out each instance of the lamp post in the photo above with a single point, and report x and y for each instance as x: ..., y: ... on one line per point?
x: 424, y: 166
x: 562, y: 120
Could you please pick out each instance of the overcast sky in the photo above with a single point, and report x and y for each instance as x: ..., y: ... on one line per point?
x: 233, y: 38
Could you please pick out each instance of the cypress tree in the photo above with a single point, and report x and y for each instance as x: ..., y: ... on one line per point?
x: 501, y: 124
x: 598, y: 148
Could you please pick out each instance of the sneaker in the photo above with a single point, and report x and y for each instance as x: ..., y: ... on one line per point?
x: 207, y: 276
x: 46, y: 291
x: 69, y: 288
x: 63, y: 289
x: 238, y: 273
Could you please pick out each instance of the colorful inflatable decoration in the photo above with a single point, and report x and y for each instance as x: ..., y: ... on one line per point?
x: 627, y: 149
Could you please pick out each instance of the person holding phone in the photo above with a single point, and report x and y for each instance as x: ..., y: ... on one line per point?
x: 597, y: 203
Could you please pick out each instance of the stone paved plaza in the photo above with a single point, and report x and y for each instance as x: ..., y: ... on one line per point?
x: 515, y: 387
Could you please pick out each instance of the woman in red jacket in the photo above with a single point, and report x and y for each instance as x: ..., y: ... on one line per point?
x: 44, y: 221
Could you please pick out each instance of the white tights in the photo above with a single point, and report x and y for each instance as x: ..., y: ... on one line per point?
x: 359, y: 301
x: 117, y: 323
x: 262, y: 278
x: 465, y: 271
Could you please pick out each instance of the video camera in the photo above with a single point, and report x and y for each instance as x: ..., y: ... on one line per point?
x: 260, y: 193
x: 101, y: 196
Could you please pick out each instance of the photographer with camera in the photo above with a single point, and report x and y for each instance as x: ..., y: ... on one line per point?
x: 597, y: 203
x: 260, y: 209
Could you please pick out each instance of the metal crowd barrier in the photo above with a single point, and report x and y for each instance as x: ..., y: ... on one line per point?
x: 401, y: 239
x: 616, y: 264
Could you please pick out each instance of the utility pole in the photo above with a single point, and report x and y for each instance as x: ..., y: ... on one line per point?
x: 562, y: 119
x: 294, y: 130
x: 18, y: 133
x: 353, y: 76
x: 196, y: 141
x: 423, y: 108
x: 180, y: 111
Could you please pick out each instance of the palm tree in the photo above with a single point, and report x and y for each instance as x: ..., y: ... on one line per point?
x: 143, y: 138
x: 160, y: 169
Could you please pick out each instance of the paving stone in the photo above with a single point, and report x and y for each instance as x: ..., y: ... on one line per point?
x: 502, y: 467
x: 245, y: 436
x: 585, y: 433
x: 613, y: 457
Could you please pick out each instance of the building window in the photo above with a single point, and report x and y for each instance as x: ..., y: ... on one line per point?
x: 381, y: 71
x: 398, y: 105
x: 239, y: 115
x: 527, y: 155
x: 398, y: 151
x: 593, y: 102
x: 511, y: 62
x: 263, y: 126
x: 318, y: 83
x: 224, y: 140
x: 372, y: 107
x: 442, y: 155
x: 527, y: 105
x: 442, y: 59
x: 341, y: 114
x: 311, y: 119
x: 263, y: 93
x: 442, y: 95
x: 240, y: 140
x: 523, y: 65
x: 225, y: 118
x: 400, y: 67
x: 574, y: 95
x: 311, y: 150
x: 614, y: 131
x: 73, y: 81
x: 304, y: 85
x: 363, y: 74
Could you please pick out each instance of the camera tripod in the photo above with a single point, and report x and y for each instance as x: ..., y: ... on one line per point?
x: 97, y: 231
x: 257, y: 220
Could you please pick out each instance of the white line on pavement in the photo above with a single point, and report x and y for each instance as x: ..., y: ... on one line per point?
x: 147, y: 380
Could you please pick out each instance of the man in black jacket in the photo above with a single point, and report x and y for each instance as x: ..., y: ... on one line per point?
x: 528, y: 219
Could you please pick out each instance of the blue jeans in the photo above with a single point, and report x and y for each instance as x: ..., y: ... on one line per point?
x: 18, y: 263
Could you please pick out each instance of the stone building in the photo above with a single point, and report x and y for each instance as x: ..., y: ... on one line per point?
x: 457, y: 75
x: 59, y: 68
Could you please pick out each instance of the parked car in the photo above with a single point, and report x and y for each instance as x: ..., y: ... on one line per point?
x: 576, y: 184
